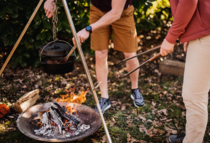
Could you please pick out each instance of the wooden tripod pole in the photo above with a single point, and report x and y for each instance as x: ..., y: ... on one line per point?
x: 86, y: 67
x: 21, y: 36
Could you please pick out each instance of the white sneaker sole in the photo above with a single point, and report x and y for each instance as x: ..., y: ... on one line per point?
x: 135, y: 103
x: 109, y: 106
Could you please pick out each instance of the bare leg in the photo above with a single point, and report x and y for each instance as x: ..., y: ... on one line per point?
x: 130, y: 65
x: 102, y: 71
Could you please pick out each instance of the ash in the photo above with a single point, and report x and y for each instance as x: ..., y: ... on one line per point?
x: 58, y: 122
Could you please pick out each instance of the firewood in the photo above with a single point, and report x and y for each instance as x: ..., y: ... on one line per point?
x: 26, y: 101
x: 172, y: 67
x: 65, y: 114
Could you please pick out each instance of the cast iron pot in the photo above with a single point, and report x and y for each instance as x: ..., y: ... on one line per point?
x: 57, y: 68
x: 57, y: 48
x: 56, y: 54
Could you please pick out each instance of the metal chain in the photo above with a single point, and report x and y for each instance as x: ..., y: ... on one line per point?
x: 55, y: 20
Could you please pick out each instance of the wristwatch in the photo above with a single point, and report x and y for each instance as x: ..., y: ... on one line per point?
x: 89, y: 29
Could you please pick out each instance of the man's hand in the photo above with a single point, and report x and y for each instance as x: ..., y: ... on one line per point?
x: 48, y: 7
x: 186, y: 44
x: 82, y: 35
x: 166, y: 48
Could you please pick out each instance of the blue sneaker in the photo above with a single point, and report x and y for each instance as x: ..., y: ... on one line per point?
x: 137, y: 98
x: 105, y: 104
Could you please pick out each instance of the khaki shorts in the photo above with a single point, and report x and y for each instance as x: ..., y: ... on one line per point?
x: 123, y: 30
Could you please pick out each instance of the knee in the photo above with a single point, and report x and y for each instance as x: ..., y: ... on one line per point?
x: 128, y: 55
x: 133, y: 61
x: 197, y: 110
x: 101, y: 55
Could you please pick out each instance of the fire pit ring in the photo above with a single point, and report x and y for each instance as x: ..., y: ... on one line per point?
x: 87, y: 115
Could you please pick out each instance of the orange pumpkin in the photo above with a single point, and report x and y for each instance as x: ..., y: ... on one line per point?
x: 4, y: 109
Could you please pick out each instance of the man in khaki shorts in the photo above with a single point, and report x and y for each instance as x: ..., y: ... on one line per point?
x: 116, y: 17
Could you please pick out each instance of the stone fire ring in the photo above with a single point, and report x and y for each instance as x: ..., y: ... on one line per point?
x: 86, y: 114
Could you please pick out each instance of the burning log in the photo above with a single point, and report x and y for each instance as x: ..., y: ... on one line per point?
x: 65, y: 114
x: 57, y: 119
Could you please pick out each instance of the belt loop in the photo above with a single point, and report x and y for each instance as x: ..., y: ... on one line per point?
x: 199, y: 40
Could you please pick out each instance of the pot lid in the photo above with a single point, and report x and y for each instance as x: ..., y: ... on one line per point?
x: 55, y: 48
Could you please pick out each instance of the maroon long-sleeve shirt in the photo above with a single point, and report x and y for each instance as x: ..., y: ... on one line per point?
x: 191, y: 20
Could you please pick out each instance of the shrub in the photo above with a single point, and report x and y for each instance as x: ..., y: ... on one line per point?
x: 14, y: 15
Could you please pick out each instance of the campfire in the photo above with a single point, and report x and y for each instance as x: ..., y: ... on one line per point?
x: 71, y: 97
x: 61, y: 121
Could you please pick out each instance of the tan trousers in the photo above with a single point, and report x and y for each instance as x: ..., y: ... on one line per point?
x: 195, y: 89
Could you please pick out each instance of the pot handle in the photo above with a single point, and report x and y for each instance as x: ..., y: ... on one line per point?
x: 54, y: 42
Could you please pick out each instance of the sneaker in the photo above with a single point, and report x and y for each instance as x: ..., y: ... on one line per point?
x: 105, y: 104
x: 177, y: 138
x: 137, y: 98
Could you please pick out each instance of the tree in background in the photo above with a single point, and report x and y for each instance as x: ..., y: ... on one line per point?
x: 14, y: 15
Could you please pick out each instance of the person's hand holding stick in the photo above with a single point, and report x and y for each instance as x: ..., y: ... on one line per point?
x: 166, y: 48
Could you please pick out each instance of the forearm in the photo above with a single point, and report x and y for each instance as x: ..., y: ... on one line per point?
x: 111, y: 16
x: 184, y: 13
x: 107, y: 19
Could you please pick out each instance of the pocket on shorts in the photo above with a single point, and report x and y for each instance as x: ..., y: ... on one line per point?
x: 129, y: 11
x: 133, y: 38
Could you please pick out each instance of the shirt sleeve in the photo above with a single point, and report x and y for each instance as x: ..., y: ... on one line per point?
x: 184, y: 13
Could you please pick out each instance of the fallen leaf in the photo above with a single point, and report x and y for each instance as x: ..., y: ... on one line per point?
x: 183, y: 114
x: 164, y: 111
x: 127, y: 104
x: 94, y: 141
x: 142, y: 118
x: 123, y: 108
x: 153, y: 103
x: 112, y: 122
x: 149, y: 121
x: 64, y: 82
x: 143, y: 129
x: 174, y: 132
x: 104, y: 139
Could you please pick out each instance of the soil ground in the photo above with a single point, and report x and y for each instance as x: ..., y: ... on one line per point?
x: 163, y: 113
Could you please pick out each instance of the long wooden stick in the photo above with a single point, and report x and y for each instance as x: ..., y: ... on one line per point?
x: 21, y: 36
x: 85, y: 67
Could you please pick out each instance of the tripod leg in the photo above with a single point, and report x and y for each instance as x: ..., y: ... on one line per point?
x: 85, y: 67
x: 21, y: 36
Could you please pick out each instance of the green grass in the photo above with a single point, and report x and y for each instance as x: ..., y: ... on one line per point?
x: 163, y: 94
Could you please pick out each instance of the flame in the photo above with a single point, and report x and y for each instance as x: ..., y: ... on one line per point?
x: 71, y: 97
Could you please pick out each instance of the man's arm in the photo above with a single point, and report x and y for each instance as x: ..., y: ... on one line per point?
x: 113, y: 15
x: 184, y: 14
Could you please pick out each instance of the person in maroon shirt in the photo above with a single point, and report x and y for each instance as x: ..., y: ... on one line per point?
x: 106, y: 17
x: 192, y: 26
